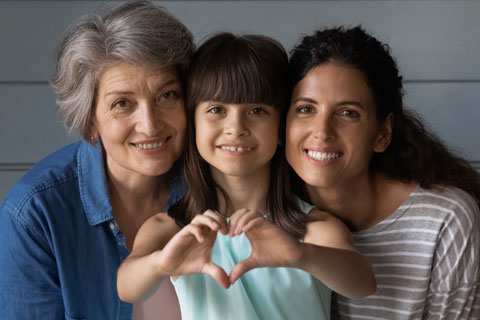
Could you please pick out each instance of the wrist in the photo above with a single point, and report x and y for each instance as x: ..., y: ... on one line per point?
x: 304, y: 253
x: 158, y: 269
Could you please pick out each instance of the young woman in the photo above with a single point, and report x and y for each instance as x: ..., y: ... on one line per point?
x: 411, y: 204
x: 238, y: 213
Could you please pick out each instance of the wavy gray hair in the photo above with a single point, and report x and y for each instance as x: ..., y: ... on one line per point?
x: 139, y: 33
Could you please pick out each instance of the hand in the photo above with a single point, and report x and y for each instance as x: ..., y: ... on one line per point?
x: 271, y: 246
x: 190, y: 250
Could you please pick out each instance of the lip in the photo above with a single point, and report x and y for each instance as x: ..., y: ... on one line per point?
x: 152, y: 146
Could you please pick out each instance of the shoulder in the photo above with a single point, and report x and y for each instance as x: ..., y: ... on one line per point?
x: 456, y: 255
x: 160, y: 219
x: 326, y: 229
x: 319, y: 219
x: 154, y: 233
x: 448, y: 203
x: 43, y: 181
x: 161, y: 223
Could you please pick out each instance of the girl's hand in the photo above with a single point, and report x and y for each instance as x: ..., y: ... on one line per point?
x: 190, y: 250
x: 271, y: 246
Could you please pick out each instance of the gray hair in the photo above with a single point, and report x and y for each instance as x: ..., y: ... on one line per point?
x: 139, y: 33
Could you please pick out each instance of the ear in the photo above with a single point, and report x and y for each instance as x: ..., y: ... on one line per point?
x: 384, y: 135
x: 93, y: 132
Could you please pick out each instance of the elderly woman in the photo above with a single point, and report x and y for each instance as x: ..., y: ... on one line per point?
x: 411, y: 204
x: 68, y: 224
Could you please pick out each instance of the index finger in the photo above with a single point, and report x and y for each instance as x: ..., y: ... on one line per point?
x: 222, y: 222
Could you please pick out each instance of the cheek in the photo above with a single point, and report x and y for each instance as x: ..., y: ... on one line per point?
x: 181, y: 126
x: 178, y: 120
x: 290, y: 147
x: 293, y: 132
x: 201, y: 137
x: 113, y: 128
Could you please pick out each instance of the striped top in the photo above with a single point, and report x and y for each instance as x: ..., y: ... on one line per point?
x: 426, y: 260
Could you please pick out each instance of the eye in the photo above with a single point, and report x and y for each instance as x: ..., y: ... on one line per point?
x: 170, y: 95
x: 257, y: 111
x: 349, y: 113
x: 304, y: 109
x: 120, y: 104
x: 215, y: 109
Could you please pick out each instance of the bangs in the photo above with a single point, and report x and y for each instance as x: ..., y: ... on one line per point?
x: 235, y: 70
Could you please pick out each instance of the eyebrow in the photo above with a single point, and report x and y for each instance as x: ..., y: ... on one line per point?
x: 351, y: 102
x: 304, y: 99
x: 118, y: 92
x: 127, y: 92
x: 341, y: 103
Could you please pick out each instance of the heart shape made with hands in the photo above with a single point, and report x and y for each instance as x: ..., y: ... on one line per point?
x: 191, y: 248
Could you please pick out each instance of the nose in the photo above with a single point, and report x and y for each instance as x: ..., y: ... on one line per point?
x: 149, y: 120
x: 236, y: 125
x: 324, y: 128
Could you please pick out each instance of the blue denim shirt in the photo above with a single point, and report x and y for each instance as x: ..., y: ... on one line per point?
x: 60, y: 246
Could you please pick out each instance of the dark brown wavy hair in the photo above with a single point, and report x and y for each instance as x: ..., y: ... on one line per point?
x: 414, y: 154
x: 237, y: 69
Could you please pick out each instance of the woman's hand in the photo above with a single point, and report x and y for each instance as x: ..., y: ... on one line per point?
x: 271, y: 246
x: 190, y: 250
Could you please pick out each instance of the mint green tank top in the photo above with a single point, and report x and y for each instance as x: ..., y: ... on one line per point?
x: 263, y: 293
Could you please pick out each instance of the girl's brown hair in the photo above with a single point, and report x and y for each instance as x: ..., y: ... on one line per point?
x: 243, y: 69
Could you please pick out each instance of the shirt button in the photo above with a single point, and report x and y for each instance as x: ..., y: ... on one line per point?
x: 112, y: 226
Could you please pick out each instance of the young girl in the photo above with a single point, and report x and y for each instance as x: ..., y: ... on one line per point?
x: 238, y: 213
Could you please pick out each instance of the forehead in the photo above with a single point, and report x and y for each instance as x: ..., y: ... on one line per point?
x: 335, y: 82
x: 125, y: 74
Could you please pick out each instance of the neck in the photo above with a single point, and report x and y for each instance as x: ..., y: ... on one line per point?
x: 353, y: 204
x: 136, y: 189
x: 134, y: 199
x: 363, y: 204
x: 247, y: 191
x: 132, y: 188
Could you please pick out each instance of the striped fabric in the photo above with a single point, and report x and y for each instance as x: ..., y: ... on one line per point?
x: 426, y: 260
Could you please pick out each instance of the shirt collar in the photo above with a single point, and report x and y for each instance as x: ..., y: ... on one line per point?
x: 93, y: 183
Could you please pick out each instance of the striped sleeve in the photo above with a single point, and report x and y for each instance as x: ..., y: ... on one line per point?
x: 454, y: 290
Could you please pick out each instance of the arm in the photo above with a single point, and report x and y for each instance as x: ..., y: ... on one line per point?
x: 138, y: 276
x: 28, y: 270
x: 161, y: 249
x: 328, y: 253
x: 454, y: 290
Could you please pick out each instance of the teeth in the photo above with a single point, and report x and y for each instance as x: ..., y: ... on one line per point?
x: 148, y: 146
x: 322, y: 156
x: 239, y: 149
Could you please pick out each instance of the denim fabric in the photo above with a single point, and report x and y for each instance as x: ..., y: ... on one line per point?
x: 60, y: 246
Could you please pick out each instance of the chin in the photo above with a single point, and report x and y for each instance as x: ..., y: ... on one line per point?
x: 155, y: 171
x: 316, y: 181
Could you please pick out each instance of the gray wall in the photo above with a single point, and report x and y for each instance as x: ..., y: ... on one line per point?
x: 437, y: 44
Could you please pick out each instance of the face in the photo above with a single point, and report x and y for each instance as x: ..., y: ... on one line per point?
x: 140, y: 118
x: 332, y: 130
x: 236, y: 139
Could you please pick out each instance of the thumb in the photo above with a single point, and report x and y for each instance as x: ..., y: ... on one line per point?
x: 217, y: 273
x: 241, y: 268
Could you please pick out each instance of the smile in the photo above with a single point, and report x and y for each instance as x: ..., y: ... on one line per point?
x: 235, y: 149
x: 150, y: 146
x: 323, y: 156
